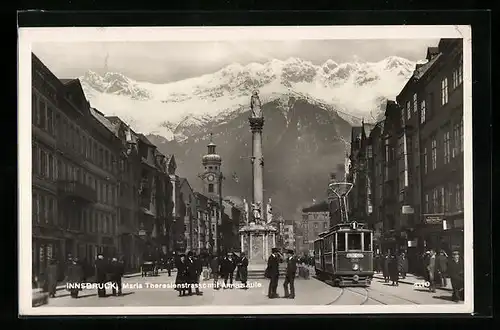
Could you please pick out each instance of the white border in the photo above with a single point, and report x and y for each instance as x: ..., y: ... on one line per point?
x: 27, y: 36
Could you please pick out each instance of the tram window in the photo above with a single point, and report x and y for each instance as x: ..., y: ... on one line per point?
x: 354, y: 241
x: 340, y: 242
x: 368, y: 241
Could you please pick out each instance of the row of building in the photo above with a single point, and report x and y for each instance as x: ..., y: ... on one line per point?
x: 100, y: 187
x: 407, y: 170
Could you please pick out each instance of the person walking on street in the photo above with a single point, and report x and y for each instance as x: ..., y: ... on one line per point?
x: 456, y: 272
x: 243, y: 269
x: 74, y: 275
x: 101, y: 275
x: 181, y: 279
x: 431, y: 270
x: 193, y: 271
x: 402, y: 265
x: 393, y: 270
x: 227, y: 269
x: 272, y: 272
x: 386, y: 260
x: 291, y: 270
x: 215, y: 269
x: 51, y: 280
x: 442, y: 267
x: 117, y: 271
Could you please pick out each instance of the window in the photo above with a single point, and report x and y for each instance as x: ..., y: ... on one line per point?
x: 41, y: 210
x: 415, y: 102
x: 446, y: 146
x: 435, y: 200
x: 442, y: 199
x: 50, y: 210
x: 34, y: 109
x: 340, y: 242
x: 458, y: 75
x: 426, y: 203
x: 50, y: 120
x: 458, y: 139
x: 422, y: 112
x: 459, y: 197
x: 434, y: 153
x: 449, y: 198
x: 460, y: 70
x: 354, y: 241
x: 43, y: 115
x: 444, y: 91
x: 36, y: 208
x: 367, y: 241
x: 43, y: 163
x: 51, y: 174
x: 408, y: 110
x: 211, y: 188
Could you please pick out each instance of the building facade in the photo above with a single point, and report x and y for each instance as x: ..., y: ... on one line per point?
x: 74, y: 169
x: 315, y: 220
x: 289, y: 236
x: 188, y: 214
x: 416, y: 164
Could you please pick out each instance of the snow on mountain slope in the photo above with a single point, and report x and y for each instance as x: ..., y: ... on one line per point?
x: 169, y: 109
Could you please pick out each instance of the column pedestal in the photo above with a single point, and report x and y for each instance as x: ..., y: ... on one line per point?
x: 255, y: 242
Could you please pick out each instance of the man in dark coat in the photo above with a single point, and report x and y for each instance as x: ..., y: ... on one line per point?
x: 101, y: 269
x: 51, y: 280
x: 215, y: 269
x: 431, y: 270
x: 393, y: 270
x: 227, y: 269
x: 181, y: 280
x: 193, y: 271
x: 456, y: 272
x: 442, y: 268
x: 291, y: 269
x: 116, y: 273
x: 403, y: 265
x: 169, y: 265
x: 243, y: 269
x: 273, y: 273
x: 74, y: 275
x: 385, y: 270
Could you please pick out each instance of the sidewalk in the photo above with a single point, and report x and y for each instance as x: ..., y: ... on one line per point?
x: 412, y: 279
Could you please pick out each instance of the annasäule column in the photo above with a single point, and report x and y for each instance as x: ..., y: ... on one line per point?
x: 256, y: 126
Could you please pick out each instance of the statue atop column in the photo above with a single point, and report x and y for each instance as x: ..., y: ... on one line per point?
x: 269, y: 211
x: 256, y: 105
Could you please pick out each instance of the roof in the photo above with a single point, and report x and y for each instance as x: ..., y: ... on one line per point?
x: 102, y: 119
x: 318, y: 207
x: 145, y: 140
x: 431, y: 51
x: 422, y: 69
x: 68, y: 81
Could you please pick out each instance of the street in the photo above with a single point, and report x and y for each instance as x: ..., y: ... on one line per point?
x: 158, y: 291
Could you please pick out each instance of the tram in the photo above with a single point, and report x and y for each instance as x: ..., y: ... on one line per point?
x: 344, y: 253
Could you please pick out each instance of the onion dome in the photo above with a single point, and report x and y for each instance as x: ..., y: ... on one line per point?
x: 211, y: 157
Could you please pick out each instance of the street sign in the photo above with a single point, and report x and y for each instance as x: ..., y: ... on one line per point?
x: 433, y: 219
x: 407, y: 209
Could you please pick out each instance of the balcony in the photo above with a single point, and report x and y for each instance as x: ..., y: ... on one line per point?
x: 77, y: 190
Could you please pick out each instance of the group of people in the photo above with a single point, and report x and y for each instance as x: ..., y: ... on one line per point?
x: 190, y: 267
x: 392, y: 266
x: 272, y: 273
x: 79, y: 271
x: 437, y: 267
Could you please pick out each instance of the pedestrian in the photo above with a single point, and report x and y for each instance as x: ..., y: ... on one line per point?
x: 456, y: 272
x: 386, y: 260
x: 291, y: 270
x: 74, y: 276
x: 181, y: 279
x: 376, y: 263
x: 227, y: 270
x: 101, y: 269
x: 431, y: 270
x: 51, y: 274
x: 442, y: 267
x: 272, y: 273
x: 193, y: 273
x: 169, y: 265
x: 215, y: 270
x: 116, y: 274
x: 393, y: 270
x: 402, y: 265
x: 243, y: 269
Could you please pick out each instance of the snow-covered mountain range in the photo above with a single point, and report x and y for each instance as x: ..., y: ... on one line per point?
x: 176, y: 109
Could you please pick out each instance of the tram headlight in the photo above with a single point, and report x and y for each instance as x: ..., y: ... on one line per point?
x: 355, y: 266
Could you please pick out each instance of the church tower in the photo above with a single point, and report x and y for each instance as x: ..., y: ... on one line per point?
x: 212, y: 175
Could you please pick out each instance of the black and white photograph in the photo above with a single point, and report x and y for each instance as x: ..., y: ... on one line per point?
x: 245, y: 170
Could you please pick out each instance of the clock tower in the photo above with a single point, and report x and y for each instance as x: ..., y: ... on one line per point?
x: 212, y: 175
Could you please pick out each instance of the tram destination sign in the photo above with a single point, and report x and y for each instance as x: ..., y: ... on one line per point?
x: 433, y: 219
x: 354, y: 255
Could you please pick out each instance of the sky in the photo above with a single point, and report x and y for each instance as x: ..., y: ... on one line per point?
x: 162, y: 62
